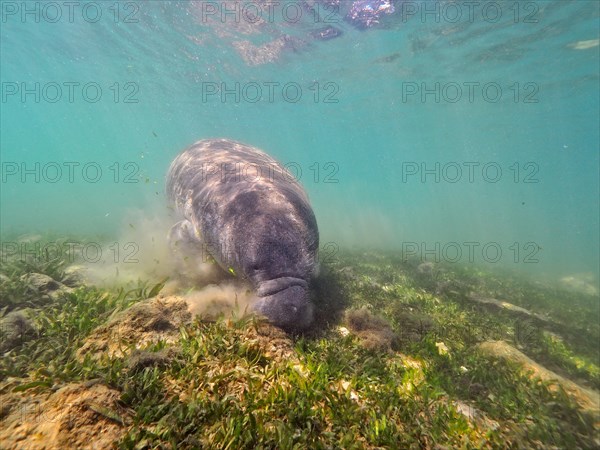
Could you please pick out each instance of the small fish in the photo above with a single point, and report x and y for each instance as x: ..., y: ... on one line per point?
x: 132, y: 227
x: 232, y: 272
x: 154, y: 134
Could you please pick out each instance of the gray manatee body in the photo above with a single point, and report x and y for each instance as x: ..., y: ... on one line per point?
x: 240, y: 206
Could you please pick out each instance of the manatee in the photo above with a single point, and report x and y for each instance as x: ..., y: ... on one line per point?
x: 246, y: 211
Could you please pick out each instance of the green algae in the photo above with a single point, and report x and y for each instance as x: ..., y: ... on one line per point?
x: 221, y: 386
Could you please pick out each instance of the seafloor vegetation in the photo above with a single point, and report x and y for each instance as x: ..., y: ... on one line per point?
x: 403, y: 355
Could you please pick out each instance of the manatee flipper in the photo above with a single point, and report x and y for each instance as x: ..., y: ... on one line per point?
x: 190, y: 257
x: 182, y: 235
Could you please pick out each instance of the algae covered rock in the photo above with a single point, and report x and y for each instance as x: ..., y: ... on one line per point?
x: 48, y: 288
x: 15, y: 328
x: 587, y: 399
x: 374, y: 332
x: 149, y: 321
x: 79, y: 415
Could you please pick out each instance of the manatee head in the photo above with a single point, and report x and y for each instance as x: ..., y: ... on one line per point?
x: 286, y: 303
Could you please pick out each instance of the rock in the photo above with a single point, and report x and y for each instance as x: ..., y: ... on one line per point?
x: 75, y: 416
x: 442, y: 349
x: 503, y: 305
x: 160, y: 319
x: 587, y: 399
x: 140, y: 359
x: 349, y: 273
x: 43, y: 283
x: 374, y: 332
x: 474, y: 415
x: 15, y: 328
x: 414, y: 325
x: 49, y: 288
x: 583, y: 283
x: 75, y: 275
x: 426, y: 268
x: 146, y: 322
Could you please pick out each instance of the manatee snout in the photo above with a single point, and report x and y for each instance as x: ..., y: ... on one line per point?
x: 289, y: 308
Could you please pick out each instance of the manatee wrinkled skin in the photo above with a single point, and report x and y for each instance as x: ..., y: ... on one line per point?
x: 245, y: 210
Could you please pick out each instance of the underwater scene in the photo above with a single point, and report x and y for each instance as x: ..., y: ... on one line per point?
x: 298, y: 224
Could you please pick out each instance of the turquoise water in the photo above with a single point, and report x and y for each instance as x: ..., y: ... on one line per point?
x: 359, y: 132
